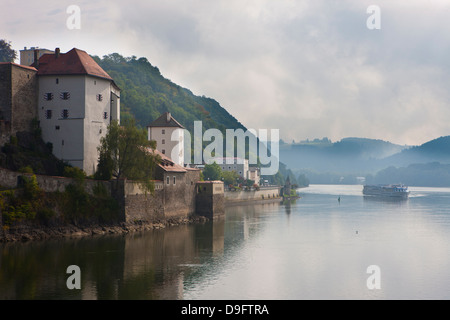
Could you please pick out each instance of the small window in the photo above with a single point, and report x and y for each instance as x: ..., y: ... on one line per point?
x: 57, y: 81
x: 105, y: 115
x: 64, y: 95
x: 62, y: 142
x: 48, y: 96
x: 163, y: 131
x: 48, y: 114
x: 65, y: 114
x: 95, y: 82
x: 174, y: 180
x: 163, y: 151
x: 99, y: 97
x: 163, y: 141
x: 56, y: 127
x: 168, y: 180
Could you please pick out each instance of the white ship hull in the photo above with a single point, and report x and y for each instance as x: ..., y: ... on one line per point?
x: 391, y: 191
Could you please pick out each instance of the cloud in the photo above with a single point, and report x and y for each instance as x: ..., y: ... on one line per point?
x: 309, y: 68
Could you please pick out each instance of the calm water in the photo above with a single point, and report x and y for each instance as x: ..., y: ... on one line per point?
x: 315, y: 248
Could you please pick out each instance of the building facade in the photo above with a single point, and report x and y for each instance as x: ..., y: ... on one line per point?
x: 169, y: 136
x: 77, y: 101
x: 239, y: 165
x: 31, y: 55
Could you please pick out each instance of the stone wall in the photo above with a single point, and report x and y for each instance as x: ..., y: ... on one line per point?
x: 262, y: 194
x: 18, y: 99
x: 181, y: 199
x: 174, y: 197
x: 140, y: 206
x: 210, y: 200
x: 11, y: 179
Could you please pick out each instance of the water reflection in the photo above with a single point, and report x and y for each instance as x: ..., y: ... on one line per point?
x: 314, y: 248
x: 147, y: 265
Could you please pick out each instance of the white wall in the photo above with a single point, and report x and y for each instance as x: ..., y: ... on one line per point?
x: 95, y: 126
x: 172, y: 149
x: 79, y: 135
x: 68, y: 139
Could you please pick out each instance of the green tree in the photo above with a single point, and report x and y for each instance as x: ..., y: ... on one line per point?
x: 125, y: 152
x: 212, y: 172
x: 230, y: 177
x: 7, y: 54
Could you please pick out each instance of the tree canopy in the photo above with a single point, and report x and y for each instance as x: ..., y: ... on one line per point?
x: 212, y: 172
x: 7, y: 54
x: 125, y: 152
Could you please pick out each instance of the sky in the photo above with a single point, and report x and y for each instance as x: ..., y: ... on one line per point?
x: 310, y: 68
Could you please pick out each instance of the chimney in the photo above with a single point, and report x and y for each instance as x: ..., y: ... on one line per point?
x: 36, y: 58
x: 168, y: 117
x: 57, y: 51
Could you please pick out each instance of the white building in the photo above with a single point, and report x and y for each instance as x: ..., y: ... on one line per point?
x: 169, y: 136
x: 239, y: 165
x: 77, y: 100
x: 31, y: 55
x: 254, y: 173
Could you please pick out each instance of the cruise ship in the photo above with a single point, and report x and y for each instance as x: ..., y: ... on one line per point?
x: 391, y: 190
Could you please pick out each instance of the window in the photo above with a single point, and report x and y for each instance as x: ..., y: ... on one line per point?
x: 163, y: 141
x: 48, y: 114
x: 56, y: 127
x: 65, y: 114
x: 105, y: 115
x: 99, y: 97
x: 168, y: 180
x: 174, y: 180
x: 163, y: 131
x: 163, y: 151
x: 57, y: 81
x: 48, y: 96
x: 64, y: 95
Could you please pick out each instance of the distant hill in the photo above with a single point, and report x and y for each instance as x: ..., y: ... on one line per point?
x: 346, y: 155
x: 146, y: 94
x: 437, y: 150
x: 378, y: 161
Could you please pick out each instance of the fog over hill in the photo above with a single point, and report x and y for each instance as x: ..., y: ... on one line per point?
x: 376, y: 160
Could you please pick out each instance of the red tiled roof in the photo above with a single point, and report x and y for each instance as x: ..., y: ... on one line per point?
x: 18, y: 65
x: 167, y: 164
x: 74, y: 62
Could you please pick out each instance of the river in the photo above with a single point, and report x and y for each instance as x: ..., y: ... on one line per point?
x: 314, y: 248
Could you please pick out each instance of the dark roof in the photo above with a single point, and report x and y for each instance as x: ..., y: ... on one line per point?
x: 163, y: 122
x: 74, y: 62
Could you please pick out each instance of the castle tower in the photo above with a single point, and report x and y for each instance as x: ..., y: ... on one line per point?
x: 77, y: 100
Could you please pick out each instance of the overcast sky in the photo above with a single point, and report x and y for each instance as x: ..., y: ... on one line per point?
x: 309, y: 68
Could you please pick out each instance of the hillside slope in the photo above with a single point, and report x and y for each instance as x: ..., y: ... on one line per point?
x: 146, y: 94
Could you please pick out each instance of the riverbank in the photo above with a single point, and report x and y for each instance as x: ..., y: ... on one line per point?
x: 24, y: 232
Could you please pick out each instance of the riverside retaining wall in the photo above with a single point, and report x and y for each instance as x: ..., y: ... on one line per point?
x: 264, y: 193
x: 174, y: 201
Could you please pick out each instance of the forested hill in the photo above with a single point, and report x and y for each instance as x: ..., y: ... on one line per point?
x: 146, y: 94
